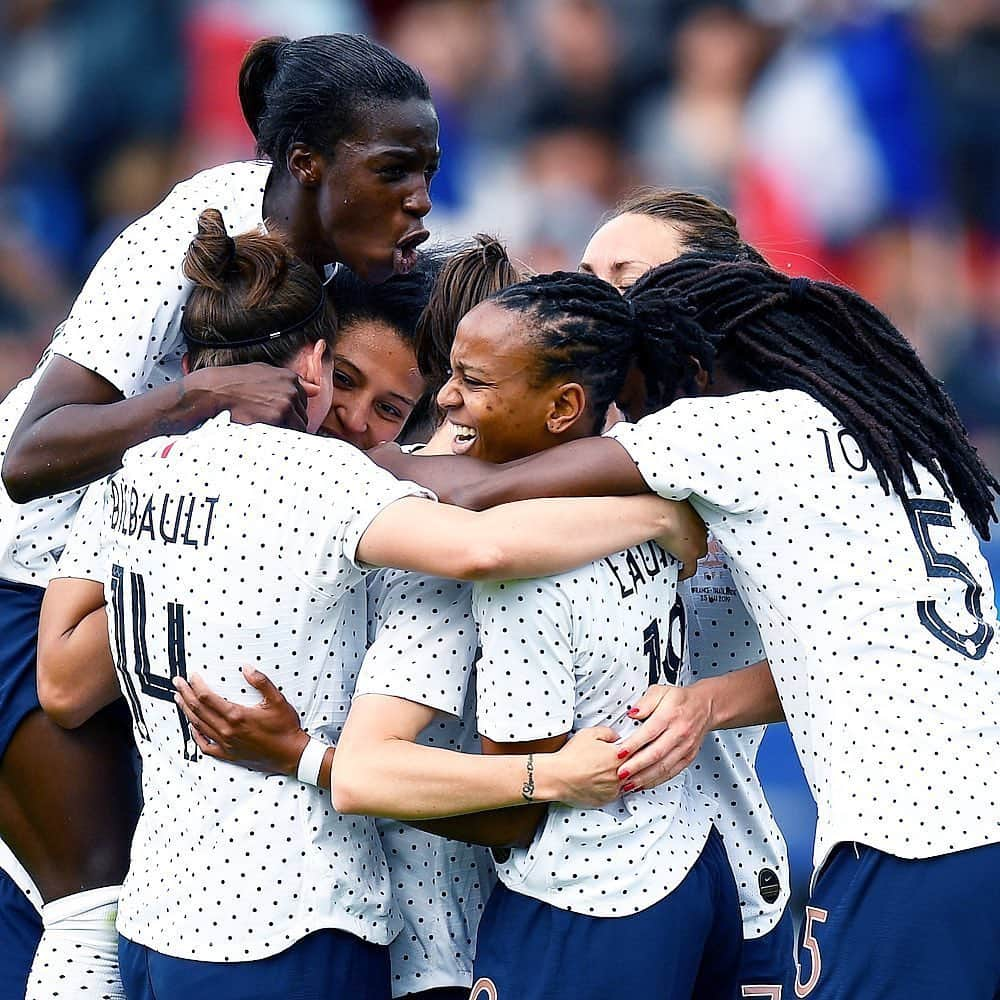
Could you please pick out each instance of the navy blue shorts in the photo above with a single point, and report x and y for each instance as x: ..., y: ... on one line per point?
x: 884, y: 928
x: 20, y: 605
x: 688, y: 945
x: 768, y: 967
x: 20, y: 932
x: 326, y: 965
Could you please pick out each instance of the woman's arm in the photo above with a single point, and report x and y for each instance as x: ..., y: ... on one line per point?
x: 526, y: 539
x: 76, y: 674
x: 677, y: 720
x: 380, y: 771
x: 594, y: 467
x: 77, y: 426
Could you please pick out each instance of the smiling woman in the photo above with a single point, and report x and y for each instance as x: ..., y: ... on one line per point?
x: 376, y: 383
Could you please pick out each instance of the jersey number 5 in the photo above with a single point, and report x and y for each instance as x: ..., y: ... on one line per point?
x: 154, y: 685
x: 925, y: 514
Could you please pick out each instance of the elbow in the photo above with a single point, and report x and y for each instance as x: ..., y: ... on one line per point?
x: 483, y: 560
x: 17, y: 476
x: 351, y: 792
x: 59, y: 704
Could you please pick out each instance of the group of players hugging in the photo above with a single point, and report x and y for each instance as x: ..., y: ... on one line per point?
x: 380, y: 621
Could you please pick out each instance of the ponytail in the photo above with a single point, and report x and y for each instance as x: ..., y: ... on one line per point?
x: 257, y: 71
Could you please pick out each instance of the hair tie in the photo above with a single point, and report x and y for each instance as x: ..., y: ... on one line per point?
x: 230, y: 253
x: 798, y: 288
x: 264, y: 337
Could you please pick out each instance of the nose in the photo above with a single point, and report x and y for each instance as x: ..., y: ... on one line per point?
x: 418, y: 202
x: 448, y: 396
x: 353, y: 417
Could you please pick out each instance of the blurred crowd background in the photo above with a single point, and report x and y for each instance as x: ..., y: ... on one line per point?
x: 854, y: 139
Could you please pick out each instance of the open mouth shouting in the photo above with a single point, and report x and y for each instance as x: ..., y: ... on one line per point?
x: 404, y: 254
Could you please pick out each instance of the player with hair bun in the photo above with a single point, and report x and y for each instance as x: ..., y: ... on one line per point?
x: 840, y: 482
x: 220, y: 540
x: 440, y: 884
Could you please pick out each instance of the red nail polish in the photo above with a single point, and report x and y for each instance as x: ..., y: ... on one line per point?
x: 632, y: 711
x: 622, y: 754
x: 624, y: 775
x: 629, y: 787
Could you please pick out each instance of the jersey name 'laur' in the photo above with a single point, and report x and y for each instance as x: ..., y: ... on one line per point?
x: 182, y: 519
x: 637, y: 566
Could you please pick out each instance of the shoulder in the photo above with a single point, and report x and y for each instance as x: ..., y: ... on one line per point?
x: 229, y: 183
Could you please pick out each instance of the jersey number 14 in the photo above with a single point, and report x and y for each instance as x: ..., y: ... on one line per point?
x: 155, y: 685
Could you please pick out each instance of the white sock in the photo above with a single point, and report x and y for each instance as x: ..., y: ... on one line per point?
x: 78, y: 954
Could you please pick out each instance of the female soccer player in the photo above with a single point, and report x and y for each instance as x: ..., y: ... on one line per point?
x: 243, y: 537
x: 351, y: 136
x: 651, y: 227
x: 837, y: 476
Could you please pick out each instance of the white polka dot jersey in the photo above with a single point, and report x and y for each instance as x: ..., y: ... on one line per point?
x: 877, y: 614
x: 227, y: 546
x: 722, y: 636
x: 125, y: 325
x: 564, y: 653
x: 422, y: 645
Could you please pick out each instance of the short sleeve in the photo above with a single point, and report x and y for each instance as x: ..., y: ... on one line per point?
x: 711, y: 448
x: 525, y: 677
x: 85, y: 555
x: 122, y: 322
x: 357, y: 491
x: 422, y: 641
x: 125, y: 323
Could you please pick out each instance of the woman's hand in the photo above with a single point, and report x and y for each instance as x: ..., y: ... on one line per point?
x: 253, y: 393
x: 677, y: 720
x: 584, y: 772
x: 686, y: 538
x: 263, y: 737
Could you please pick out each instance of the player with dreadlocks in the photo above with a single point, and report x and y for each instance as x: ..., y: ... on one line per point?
x: 840, y: 482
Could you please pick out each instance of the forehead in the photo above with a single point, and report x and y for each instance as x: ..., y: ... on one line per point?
x: 633, y: 238
x: 373, y: 336
x: 488, y: 333
x: 411, y: 124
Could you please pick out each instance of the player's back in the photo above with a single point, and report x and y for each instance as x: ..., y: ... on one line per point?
x: 877, y: 613
x: 228, y: 546
x: 565, y: 653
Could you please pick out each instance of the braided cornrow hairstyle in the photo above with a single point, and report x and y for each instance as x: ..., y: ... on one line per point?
x: 773, y: 332
x: 586, y: 331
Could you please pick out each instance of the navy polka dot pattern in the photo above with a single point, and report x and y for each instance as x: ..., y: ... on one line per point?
x: 227, y: 546
x: 877, y: 614
x: 568, y: 652
x: 722, y: 637
x: 422, y: 645
x: 126, y: 326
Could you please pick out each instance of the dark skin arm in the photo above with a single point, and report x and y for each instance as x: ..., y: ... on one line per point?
x: 77, y: 425
x: 512, y: 827
x: 589, y: 467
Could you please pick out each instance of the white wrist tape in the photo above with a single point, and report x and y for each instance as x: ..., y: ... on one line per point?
x: 311, y: 761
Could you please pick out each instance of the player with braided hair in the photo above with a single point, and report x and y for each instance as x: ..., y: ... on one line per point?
x: 839, y: 481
